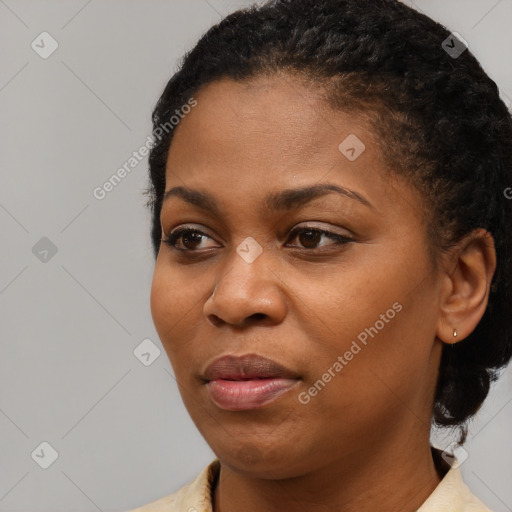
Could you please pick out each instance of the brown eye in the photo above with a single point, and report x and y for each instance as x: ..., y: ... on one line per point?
x: 190, y: 239
x: 310, y: 237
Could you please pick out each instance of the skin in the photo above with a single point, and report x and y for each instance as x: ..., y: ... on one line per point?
x: 304, y: 300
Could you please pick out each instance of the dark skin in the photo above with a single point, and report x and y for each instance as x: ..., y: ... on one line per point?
x: 304, y: 300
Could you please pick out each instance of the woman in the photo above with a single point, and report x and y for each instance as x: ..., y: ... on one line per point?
x: 333, y: 264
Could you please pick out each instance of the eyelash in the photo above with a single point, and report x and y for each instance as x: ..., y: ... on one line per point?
x: 172, y: 239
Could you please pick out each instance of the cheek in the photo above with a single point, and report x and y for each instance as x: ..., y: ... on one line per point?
x: 176, y: 302
x: 345, y: 302
x: 378, y: 318
x: 169, y: 304
x: 160, y: 299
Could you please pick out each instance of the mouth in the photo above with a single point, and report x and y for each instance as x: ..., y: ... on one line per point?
x: 247, y: 382
x: 240, y: 395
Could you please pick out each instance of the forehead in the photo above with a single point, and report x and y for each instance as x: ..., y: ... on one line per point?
x: 290, y: 119
x: 273, y: 132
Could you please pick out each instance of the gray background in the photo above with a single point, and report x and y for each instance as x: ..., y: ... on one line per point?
x: 70, y: 321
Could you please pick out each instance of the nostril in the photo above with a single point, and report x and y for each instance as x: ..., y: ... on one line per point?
x: 215, y: 320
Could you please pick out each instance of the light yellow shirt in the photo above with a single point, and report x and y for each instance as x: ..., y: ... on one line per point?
x: 451, y: 495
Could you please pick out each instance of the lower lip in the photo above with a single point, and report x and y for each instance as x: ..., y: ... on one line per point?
x: 240, y: 395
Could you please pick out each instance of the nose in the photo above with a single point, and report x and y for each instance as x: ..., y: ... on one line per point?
x: 247, y: 293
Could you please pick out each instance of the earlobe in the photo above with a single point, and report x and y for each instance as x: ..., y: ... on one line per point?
x: 465, y: 291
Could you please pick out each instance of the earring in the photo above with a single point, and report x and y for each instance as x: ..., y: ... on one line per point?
x: 454, y: 333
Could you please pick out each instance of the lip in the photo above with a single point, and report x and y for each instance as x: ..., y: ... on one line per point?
x: 247, y: 382
x: 246, y: 367
x: 238, y: 395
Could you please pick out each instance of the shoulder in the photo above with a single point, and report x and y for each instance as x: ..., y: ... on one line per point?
x: 192, y: 497
x: 453, y: 495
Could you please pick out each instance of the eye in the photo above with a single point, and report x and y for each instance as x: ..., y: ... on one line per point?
x: 186, y: 235
x: 190, y: 239
x: 311, y: 236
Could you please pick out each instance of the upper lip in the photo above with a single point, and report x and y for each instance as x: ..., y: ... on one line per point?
x: 245, y: 367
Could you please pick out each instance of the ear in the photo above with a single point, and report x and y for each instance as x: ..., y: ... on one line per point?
x: 465, y: 286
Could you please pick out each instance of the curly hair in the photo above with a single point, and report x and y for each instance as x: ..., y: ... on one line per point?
x: 439, y: 121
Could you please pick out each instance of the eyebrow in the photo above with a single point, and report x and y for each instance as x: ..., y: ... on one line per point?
x: 283, y: 200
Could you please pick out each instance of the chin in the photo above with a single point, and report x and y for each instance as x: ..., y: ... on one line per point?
x: 252, y: 460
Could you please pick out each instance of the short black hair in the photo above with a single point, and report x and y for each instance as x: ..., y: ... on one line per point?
x: 438, y: 116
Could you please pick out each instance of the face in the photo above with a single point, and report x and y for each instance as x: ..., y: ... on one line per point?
x: 337, y: 287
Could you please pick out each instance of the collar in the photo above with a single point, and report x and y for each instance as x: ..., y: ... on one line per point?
x: 452, y: 494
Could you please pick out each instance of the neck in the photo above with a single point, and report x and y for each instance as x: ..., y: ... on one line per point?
x: 398, y: 477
